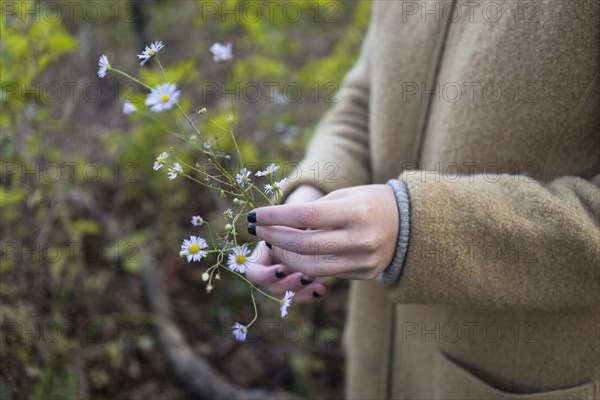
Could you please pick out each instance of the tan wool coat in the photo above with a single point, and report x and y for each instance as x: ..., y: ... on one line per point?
x: 492, y: 117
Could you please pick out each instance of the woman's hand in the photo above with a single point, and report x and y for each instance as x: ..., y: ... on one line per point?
x: 275, y: 275
x: 352, y: 233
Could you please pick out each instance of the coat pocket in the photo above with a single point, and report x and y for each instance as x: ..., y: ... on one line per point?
x: 453, y: 382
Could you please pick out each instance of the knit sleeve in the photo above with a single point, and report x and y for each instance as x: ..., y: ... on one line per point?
x: 393, y: 272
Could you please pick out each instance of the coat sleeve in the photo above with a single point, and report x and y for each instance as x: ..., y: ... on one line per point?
x: 510, y: 242
x: 342, y: 136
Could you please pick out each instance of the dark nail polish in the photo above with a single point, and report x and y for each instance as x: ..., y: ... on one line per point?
x: 252, y: 229
x: 305, y: 281
x: 279, y: 274
x: 316, y: 295
x: 251, y: 217
x: 269, y: 245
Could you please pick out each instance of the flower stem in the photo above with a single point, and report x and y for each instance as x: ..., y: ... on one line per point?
x: 131, y: 77
x: 161, y: 68
x: 255, y: 308
x: 252, y: 285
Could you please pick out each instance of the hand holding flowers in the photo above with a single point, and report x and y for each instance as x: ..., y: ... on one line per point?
x: 350, y: 233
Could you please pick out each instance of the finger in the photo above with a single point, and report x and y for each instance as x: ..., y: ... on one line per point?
x: 266, y: 275
x: 290, y: 282
x: 320, y: 265
x: 283, y: 271
x: 307, y: 242
x: 261, y: 255
x: 264, y: 268
x: 316, y: 214
x: 293, y: 283
x: 311, y: 294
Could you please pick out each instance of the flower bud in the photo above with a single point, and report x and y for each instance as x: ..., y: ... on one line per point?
x: 228, y: 227
x: 205, y: 276
x: 209, y: 288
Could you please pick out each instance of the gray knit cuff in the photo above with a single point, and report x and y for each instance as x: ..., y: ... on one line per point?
x: 392, y: 273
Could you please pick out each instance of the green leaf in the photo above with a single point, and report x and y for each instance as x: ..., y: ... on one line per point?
x: 10, y: 197
x: 184, y: 71
x: 84, y: 227
x: 257, y: 68
x: 61, y: 42
x: 249, y: 151
x: 114, y: 352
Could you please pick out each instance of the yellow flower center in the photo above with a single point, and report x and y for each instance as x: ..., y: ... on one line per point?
x: 160, y: 160
x: 194, y: 249
x: 165, y: 98
x: 151, y: 52
x: 240, y: 259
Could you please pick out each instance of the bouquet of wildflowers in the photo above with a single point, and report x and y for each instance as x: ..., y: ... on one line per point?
x: 242, y: 187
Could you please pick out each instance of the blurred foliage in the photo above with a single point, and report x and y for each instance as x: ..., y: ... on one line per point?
x: 57, y: 265
x: 28, y: 46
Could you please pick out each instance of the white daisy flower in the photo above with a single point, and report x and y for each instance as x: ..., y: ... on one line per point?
x: 238, y: 261
x: 128, y: 108
x: 286, y: 302
x: 193, y: 247
x: 162, y: 97
x: 176, y: 170
x: 242, y: 177
x: 150, y: 51
x: 276, y: 186
x: 269, y: 171
x: 160, y: 161
x: 239, y: 331
x: 197, y: 220
x: 103, y: 66
x: 221, y: 52
x: 228, y: 214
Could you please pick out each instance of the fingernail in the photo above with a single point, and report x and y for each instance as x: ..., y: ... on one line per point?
x: 269, y: 245
x: 252, y: 229
x: 279, y: 274
x: 305, y: 281
x: 251, y: 216
x: 316, y: 295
